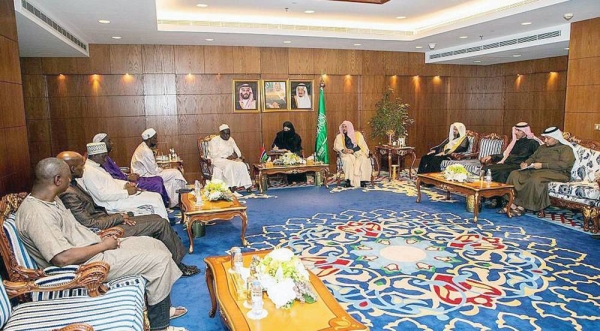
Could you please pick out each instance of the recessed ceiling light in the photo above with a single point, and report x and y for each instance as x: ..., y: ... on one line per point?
x: 116, y: 37
x: 516, y: 55
x: 309, y: 11
x: 104, y: 21
x: 287, y: 42
x: 419, y: 47
x: 400, y: 17
x: 526, y: 23
x: 202, y: 5
x: 477, y: 61
x: 463, y: 37
x: 357, y: 44
x: 209, y: 39
x: 566, y: 48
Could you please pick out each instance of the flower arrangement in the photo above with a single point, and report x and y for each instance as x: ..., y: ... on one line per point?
x: 456, y: 172
x: 216, y: 189
x: 285, y: 278
x: 289, y: 158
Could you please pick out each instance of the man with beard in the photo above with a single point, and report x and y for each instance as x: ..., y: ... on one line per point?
x: 144, y: 164
x: 302, y: 99
x: 354, y: 152
x: 227, y: 160
x: 116, y: 195
x: 152, y: 184
x: 92, y: 216
x: 246, y: 98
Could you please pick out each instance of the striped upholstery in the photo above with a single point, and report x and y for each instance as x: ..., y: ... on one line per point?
x: 119, y: 309
x: 490, y: 147
x: 25, y: 260
x: 5, y: 307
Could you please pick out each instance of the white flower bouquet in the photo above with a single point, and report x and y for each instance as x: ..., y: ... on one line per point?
x: 456, y: 172
x: 216, y: 189
x: 289, y: 158
x: 285, y: 278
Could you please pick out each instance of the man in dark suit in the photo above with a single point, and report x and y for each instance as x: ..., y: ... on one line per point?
x: 90, y: 215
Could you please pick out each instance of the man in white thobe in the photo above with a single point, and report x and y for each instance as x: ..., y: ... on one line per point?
x: 354, y: 152
x: 117, y: 196
x: 144, y: 164
x: 227, y: 160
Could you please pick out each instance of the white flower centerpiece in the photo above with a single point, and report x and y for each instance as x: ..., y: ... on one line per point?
x: 216, y: 189
x: 456, y: 172
x: 289, y: 158
x: 285, y: 278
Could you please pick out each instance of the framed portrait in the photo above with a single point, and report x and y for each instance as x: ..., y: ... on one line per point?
x: 246, y: 96
x: 302, y: 95
x: 275, y: 95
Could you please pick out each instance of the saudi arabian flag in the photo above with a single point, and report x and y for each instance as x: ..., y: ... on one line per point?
x: 321, y: 152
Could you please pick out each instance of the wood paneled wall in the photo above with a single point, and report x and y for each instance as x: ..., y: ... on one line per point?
x: 583, y: 83
x: 14, y: 151
x: 184, y: 92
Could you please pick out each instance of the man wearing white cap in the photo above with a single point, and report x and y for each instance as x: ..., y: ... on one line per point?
x: 113, y: 194
x: 227, y: 160
x: 52, y: 236
x: 152, y: 184
x: 552, y: 162
x: 144, y: 164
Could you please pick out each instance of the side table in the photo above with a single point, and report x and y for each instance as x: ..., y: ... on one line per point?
x: 398, y: 151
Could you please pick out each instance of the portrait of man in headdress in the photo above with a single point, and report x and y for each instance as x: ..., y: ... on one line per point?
x: 245, y: 95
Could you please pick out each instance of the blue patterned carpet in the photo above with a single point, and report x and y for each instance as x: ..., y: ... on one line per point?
x: 398, y: 265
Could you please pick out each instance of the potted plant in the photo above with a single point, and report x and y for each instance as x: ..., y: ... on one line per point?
x: 391, y: 118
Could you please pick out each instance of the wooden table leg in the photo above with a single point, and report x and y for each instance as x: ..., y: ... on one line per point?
x: 414, y: 158
x: 324, y: 175
x: 210, y: 283
x: 244, y: 218
x: 511, y: 198
x: 378, y: 152
x: 390, y: 165
x: 189, y: 225
x: 418, y: 190
x: 261, y: 184
x: 476, y: 206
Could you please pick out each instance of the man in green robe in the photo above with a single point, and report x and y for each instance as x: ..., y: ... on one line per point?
x: 552, y: 162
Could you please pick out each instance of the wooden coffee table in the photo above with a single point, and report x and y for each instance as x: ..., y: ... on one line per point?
x: 263, y: 172
x: 477, y: 188
x: 325, y: 314
x: 211, y: 211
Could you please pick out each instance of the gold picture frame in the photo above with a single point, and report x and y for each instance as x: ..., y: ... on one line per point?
x: 275, y: 95
x: 306, y: 100
x: 246, y: 96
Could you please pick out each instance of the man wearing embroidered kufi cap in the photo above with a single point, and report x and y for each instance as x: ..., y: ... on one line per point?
x: 552, y: 162
x: 144, y: 164
x: 152, y: 184
x: 227, y: 160
x: 117, y: 195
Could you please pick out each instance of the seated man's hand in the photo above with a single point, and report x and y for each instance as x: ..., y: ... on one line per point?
x: 275, y: 148
x: 523, y: 165
x: 110, y: 242
x: 131, y: 190
x: 127, y: 220
x: 133, y: 177
x: 537, y: 165
x: 485, y: 159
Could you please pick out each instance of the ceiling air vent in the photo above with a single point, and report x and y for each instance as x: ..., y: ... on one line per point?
x: 55, y: 26
x: 473, y: 49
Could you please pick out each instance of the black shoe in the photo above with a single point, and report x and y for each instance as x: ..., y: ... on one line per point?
x: 188, y: 270
x: 363, y: 184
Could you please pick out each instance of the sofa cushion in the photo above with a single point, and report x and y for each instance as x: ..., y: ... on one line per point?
x: 489, y: 147
x: 588, y: 163
x: 586, y: 193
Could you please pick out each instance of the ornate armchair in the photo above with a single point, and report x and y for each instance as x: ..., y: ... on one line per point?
x: 119, y: 308
x: 206, y: 166
x: 21, y: 267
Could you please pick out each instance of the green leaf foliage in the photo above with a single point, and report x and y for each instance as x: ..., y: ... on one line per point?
x: 392, y: 114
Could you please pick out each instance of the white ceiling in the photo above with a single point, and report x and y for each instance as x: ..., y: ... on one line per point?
x: 334, y: 24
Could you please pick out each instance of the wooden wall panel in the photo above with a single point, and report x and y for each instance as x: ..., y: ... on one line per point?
x: 125, y: 59
x: 158, y: 59
x: 97, y: 63
x: 15, y: 175
x: 185, y: 92
x: 583, y: 84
